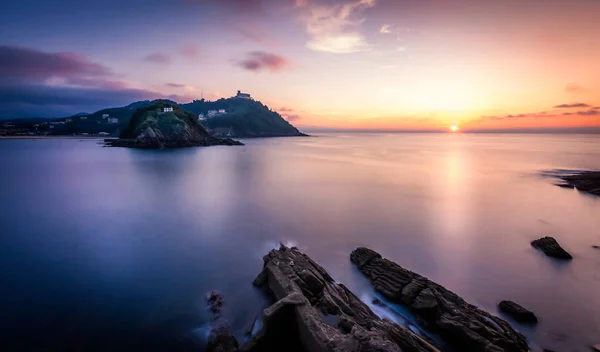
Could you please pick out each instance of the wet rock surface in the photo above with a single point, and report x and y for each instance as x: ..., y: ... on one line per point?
x: 313, y: 313
x: 220, y: 338
x: 517, y: 312
x: 464, y: 326
x: 551, y: 248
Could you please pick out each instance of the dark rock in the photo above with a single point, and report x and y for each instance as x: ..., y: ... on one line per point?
x: 464, y: 326
x: 596, y: 247
x: 215, y: 302
x: 325, y: 315
x: 551, y: 248
x: 585, y: 181
x: 596, y: 347
x: 220, y: 338
x: 517, y: 312
x: 378, y: 302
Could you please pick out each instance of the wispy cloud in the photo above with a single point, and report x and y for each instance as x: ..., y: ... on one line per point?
x: 292, y: 118
x: 260, y: 60
x: 334, y: 28
x: 575, y: 88
x: 158, y: 58
x: 284, y: 109
x: 385, y: 29
x: 175, y: 85
x: 191, y: 52
x: 583, y: 113
x: 572, y: 106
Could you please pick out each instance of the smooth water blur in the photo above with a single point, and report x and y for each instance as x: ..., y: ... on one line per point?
x: 106, y: 248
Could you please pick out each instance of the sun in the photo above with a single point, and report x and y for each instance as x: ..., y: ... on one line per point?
x: 454, y: 128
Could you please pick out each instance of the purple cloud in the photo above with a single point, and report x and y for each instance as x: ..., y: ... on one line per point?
x: 284, y: 109
x: 260, y: 60
x: 24, y: 64
x: 174, y: 85
x: 571, y: 106
x: 588, y: 113
x: 77, y: 85
x: 158, y: 58
x: 292, y: 118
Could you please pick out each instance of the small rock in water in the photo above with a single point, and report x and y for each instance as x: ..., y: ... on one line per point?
x: 551, y: 248
x: 215, y: 302
x: 517, y: 312
x: 378, y: 302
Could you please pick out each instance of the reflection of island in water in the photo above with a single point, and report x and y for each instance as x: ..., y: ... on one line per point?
x: 161, y: 125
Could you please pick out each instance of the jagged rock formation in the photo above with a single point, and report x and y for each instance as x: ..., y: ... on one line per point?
x: 551, y: 248
x: 464, y: 326
x: 165, y: 126
x: 517, y: 312
x: 314, y: 313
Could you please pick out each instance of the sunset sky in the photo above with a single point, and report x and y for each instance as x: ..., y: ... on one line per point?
x: 345, y: 64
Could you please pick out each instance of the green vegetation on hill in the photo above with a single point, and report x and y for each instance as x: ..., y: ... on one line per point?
x: 165, y: 125
x: 170, y: 124
x: 242, y: 118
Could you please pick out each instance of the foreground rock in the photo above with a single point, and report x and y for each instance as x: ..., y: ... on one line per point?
x: 160, y: 125
x: 315, y: 314
x: 586, y: 181
x: 220, y: 338
x: 517, y: 312
x: 551, y: 248
x: 464, y: 326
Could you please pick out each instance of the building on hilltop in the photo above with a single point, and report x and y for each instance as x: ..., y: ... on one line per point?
x: 168, y: 109
x: 241, y: 95
x: 113, y: 120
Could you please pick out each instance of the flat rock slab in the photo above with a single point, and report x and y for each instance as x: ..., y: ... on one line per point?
x: 551, y: 248
x: 517, y: 312
x: 464, y: 326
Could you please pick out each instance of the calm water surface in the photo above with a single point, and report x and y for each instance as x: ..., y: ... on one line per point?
x: 107, y: 249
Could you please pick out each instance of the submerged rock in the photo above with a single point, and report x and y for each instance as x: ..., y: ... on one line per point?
x: 551, y: 248
x: 517, y: 312
x: 464, y: 326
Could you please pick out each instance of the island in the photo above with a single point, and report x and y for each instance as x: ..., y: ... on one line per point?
x: 165, y: 125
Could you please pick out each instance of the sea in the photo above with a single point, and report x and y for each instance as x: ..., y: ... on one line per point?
x: 108, y: 249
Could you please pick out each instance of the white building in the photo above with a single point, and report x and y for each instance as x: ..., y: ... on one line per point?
x: 113, y: 120
x: 83, y: 118
x: 168, y: 109
x: 241, y: 95
x: 105, y: 116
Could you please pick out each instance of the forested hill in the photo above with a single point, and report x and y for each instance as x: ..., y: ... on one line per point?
x: 241, y: 118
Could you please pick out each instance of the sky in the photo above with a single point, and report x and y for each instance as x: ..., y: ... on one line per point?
x: 331, y: 64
